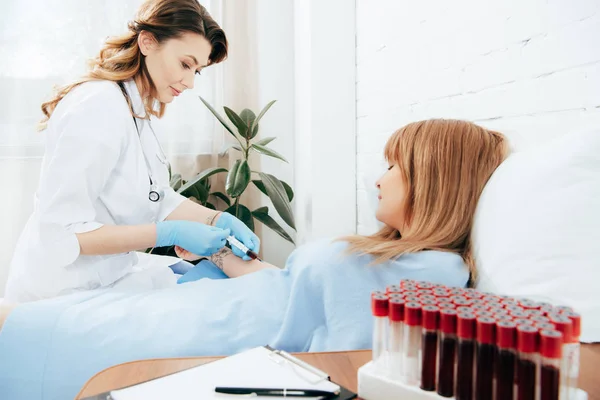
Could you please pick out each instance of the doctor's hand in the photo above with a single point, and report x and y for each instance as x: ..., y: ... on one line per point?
x: 195, y: 237
x: 241, y: 233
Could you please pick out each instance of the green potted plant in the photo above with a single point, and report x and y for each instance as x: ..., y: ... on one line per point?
x: 240, y: 175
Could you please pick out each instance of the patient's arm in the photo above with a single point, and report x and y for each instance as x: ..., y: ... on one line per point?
x: 228, y: 262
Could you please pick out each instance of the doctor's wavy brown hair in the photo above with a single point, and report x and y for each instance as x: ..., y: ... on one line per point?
x: 120, y: 58
x: 445, y: 165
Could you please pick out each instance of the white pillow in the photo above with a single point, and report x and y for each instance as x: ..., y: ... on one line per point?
x: 537, y: 224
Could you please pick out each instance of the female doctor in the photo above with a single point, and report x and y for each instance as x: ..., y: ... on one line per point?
x: 104, y: 186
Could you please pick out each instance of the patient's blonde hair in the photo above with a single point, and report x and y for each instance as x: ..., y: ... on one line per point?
x: 445, y: 165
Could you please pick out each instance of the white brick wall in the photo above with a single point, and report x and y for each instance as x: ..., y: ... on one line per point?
x: 528, y: 68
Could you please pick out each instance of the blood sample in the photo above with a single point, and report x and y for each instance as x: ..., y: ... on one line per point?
x: 465, y: 331
x: 380, y: 310
x: 574, y: 353
x: 551, y: 343
x: 506, y: 339
x: 564, y: 325
x: 429, y: 342
x: 527, y: 365
x: 412, y: 342
x: 447, y: 350
x: 396, y: 316
x: 393, y: 289
x: 486, y: 351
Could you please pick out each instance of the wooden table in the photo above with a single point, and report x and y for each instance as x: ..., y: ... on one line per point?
x: 341, y: 366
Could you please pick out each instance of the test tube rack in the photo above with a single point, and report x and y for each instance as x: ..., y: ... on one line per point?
x: 372, y: 385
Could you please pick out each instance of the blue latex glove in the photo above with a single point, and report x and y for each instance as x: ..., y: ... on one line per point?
x: 241, y: 233
x: 195, y: 237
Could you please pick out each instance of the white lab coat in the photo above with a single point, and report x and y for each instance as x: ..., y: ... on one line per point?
x: 93, y: 173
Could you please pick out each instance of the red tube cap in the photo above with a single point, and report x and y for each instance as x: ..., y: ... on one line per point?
x: 379, y: 305
x: 445, y: 304
x: 527, y: 339
x: 506, y: 334
x: 396, y: 307
x: 412, y: 314
x: 448, y: 320
x: 431, y: 316
x: 545, y: 326
x: 486, y: 330
x: 394, y: 289
x: 551, y: 344
x: 465, y: 325
x: 564, y: 325
x: 576, y: 320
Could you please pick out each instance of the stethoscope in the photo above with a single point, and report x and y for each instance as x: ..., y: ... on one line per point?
x: 155, y: 194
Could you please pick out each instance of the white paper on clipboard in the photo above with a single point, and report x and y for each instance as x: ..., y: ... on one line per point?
x: 259, y: 367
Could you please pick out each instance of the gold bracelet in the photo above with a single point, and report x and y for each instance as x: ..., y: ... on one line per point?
x: 210, y: 220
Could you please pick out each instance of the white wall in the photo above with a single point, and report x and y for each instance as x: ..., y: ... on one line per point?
x: 530, y: 69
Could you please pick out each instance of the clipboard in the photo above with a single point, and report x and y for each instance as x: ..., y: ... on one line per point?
x: 258, y: 367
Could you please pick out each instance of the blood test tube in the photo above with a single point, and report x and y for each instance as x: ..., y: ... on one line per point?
x: 411, y: 293
x: 532, y: 312
x: 519, y: 314
x: 465, y: 331
x: 429, y: 342
x: 427, y: 302
x: 447, y: 350
x: 480, y: 307
x: 528, y: 363
x: 524, y: 321
x: 551, y: 343
x: 486, y: 351
x: 574, y: 353
x: 564, y: 325
x: 396, y: 316
x: 513, y: 307
x: 412, y: 342
x: 439, y: 292
x: 504, y: 317
x: 380, y: 311
x: 393, y: 289
x: 411, y: 299
x: 428, y: 297
x: 506, y: 340
x: 545, y: 326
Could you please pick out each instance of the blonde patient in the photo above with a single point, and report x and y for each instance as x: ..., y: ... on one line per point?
x: 427, y: 198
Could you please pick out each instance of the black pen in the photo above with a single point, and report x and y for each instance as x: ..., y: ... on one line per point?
x: 277, y: 392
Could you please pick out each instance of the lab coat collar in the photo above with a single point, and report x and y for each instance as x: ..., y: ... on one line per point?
x: 136, y: 99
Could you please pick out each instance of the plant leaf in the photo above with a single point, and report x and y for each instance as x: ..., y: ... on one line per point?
x: 288, y: 189
x: 176, y: 182
x: 261, y: 215
x: 242, y: 213
x: 248, y: 117
x: 278, y: 196
x: 237, y: 178
x: 222, y: 196
x: 237, y: 121
x: 220, y: 118
x: 204, y: 174
x: 254, y: 128
x: 265, y: 141
x: 268, y: 152
x: 230, y: 146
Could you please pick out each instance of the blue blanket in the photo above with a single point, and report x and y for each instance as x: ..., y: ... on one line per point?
x: 319, y: 302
